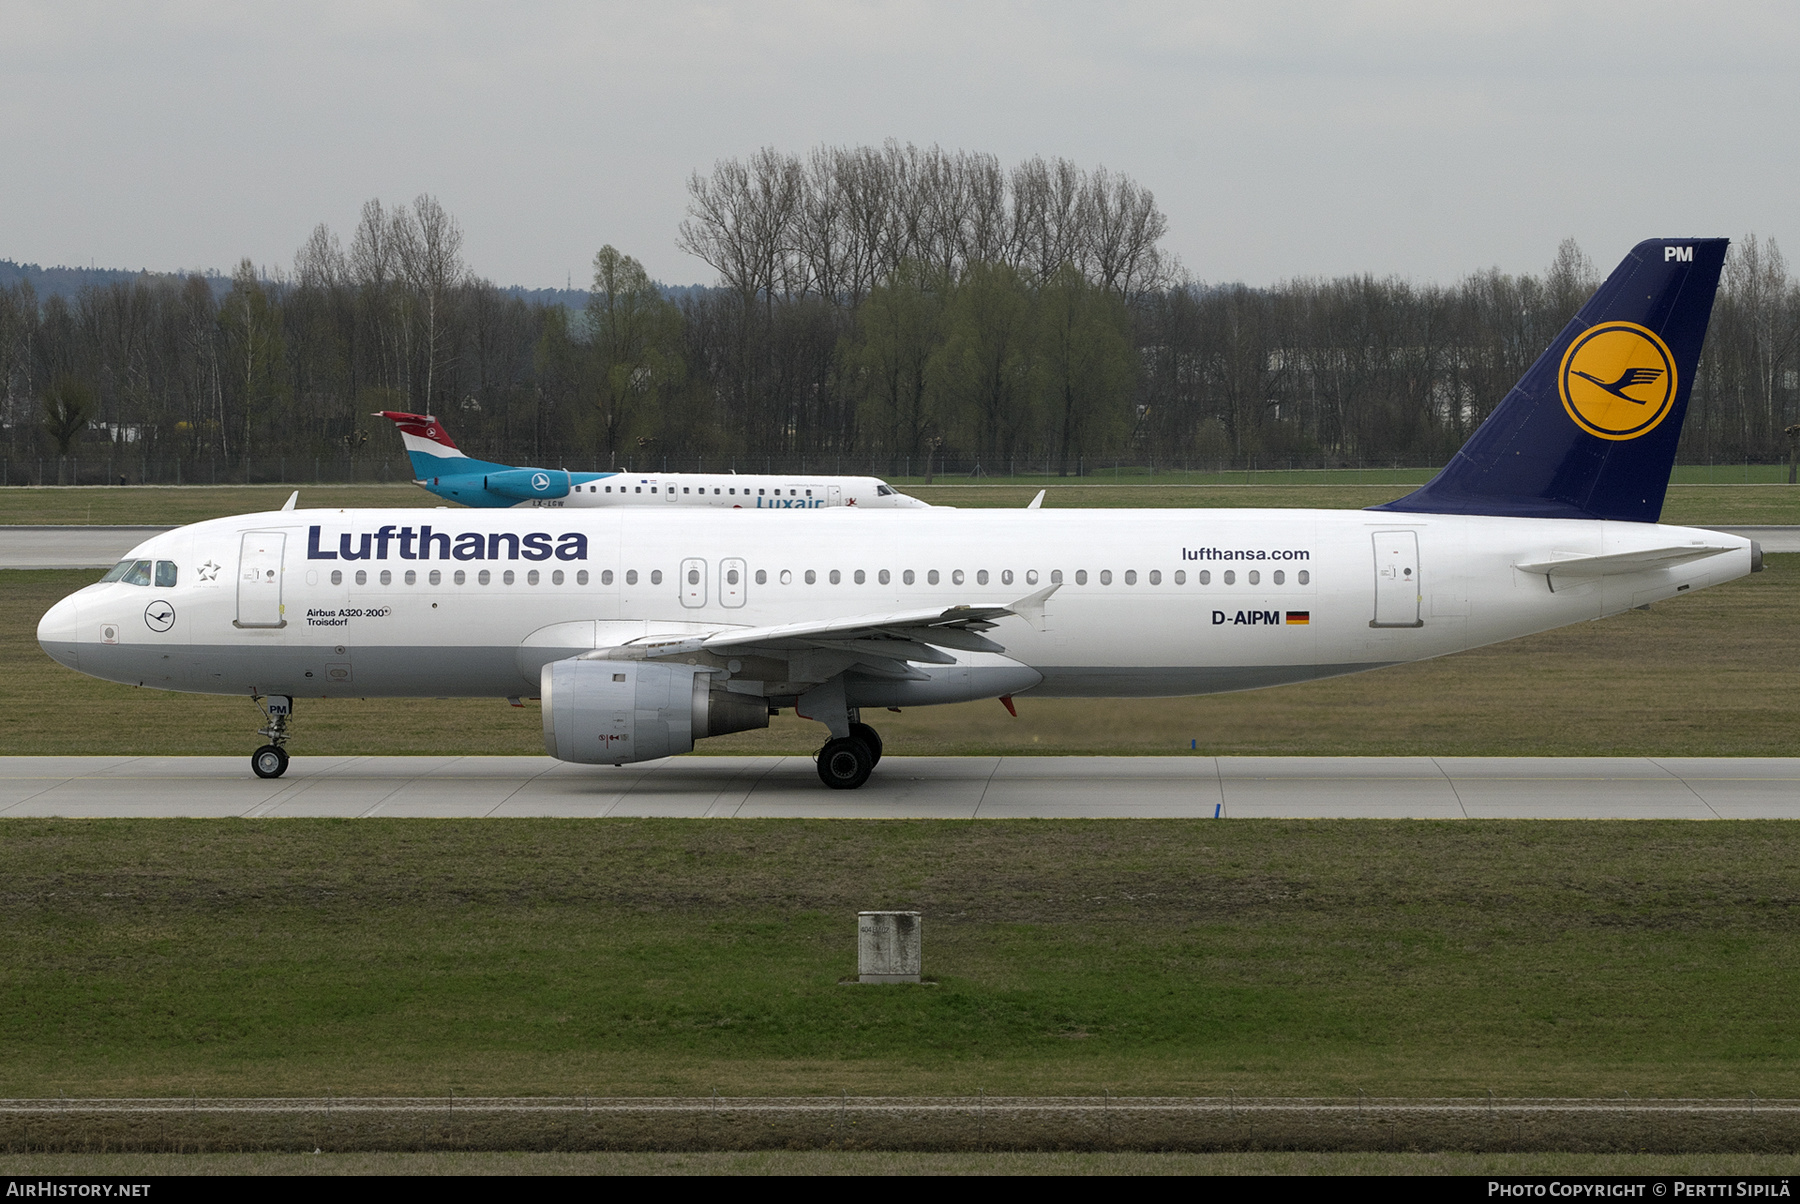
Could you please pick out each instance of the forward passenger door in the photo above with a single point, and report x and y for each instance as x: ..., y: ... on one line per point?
x: 259, y: 579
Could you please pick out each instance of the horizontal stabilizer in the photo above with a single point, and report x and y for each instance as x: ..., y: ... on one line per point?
x: 1618, y: 563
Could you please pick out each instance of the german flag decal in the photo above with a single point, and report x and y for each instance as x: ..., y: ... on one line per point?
x: 1299, y: 618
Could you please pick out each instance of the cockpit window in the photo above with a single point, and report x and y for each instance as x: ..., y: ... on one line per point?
x: 137, y: 574
x: 883, y: 491
x: 165, y: 574
x: 117, y: 571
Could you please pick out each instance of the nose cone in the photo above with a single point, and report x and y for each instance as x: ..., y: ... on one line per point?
x: 58, y: 632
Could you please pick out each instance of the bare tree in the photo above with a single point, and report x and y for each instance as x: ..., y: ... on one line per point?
x: 430, y: 255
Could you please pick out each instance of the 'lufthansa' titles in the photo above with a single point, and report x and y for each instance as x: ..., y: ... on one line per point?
x: 406, y: 543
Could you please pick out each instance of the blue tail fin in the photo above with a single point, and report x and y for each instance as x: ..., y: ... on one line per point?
x: 1590, y: 430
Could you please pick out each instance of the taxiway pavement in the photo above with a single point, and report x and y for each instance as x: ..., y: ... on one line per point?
x: 914, y: 788
x: 70, y: 547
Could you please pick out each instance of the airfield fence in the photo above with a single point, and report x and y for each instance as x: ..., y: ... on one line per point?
x: 844, y: 1121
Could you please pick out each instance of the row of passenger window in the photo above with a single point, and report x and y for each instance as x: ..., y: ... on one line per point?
x: 982, y: 577
x: 732, y: 492
x: 786, y: 576
x: 461, y: 577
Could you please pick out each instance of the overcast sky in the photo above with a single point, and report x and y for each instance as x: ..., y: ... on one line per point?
x: 1425, y: 140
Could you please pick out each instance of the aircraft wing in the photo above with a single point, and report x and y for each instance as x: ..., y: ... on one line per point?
x: 899, y: 636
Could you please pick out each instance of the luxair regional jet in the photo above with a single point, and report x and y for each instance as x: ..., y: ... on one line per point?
x: 442, y: 468
x: 645, y: 630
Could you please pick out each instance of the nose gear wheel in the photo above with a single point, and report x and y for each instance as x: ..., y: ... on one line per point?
x: 271, y: 760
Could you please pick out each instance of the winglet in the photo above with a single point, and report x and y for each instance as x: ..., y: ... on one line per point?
x: 292, y: 498
x: 1038, y: 501
x: 1031, y: 607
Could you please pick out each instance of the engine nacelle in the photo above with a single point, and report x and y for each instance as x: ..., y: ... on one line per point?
x: 527, y: 484
x: 615, y: 712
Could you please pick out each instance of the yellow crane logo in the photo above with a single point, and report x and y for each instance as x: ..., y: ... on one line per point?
x: 1617, y: 380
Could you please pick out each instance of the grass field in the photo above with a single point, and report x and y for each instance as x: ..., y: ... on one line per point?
x: 1711, y: 674
x: 656, y: 957
x: 1140, y: 957
x: 1697, y: 503
x: 833, y: 1162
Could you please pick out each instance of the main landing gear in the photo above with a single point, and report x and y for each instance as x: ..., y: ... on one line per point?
x: 845, y: 763
x: 271, y: 760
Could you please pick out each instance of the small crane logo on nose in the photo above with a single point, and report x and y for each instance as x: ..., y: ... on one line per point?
x: 159, y: 616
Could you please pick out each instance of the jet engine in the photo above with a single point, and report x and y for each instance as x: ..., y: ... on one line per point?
x: 600, y: 712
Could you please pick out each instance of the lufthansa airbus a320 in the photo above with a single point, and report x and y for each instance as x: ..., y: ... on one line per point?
x: 644, y: 630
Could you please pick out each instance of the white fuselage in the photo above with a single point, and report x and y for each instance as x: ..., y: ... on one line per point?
x: 729, y: 491
x: 1151, y: 602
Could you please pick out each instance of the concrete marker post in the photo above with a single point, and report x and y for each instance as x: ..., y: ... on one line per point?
x: 888, y: 946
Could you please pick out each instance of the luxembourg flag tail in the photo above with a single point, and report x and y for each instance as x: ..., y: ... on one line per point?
x: 431, y: 450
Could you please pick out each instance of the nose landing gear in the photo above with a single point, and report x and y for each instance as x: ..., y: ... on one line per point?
x: 271, y: 760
